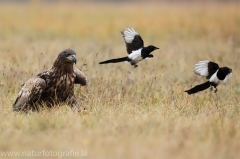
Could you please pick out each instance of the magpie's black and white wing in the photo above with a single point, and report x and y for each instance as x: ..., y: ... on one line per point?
x: 132, y: 39
x: 205, y: 68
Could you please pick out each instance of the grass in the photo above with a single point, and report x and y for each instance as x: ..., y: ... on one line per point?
x: 133, y: 113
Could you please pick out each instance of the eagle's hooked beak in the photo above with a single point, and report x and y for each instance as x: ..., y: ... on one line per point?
x: 73, y: 58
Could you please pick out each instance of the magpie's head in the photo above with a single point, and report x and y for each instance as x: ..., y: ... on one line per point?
x: 226, y: 70
x: 152, y: 48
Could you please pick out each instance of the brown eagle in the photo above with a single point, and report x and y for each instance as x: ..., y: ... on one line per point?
x: 53, y: 86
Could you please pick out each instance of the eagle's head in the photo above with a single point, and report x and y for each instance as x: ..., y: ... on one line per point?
x: 67, y: 56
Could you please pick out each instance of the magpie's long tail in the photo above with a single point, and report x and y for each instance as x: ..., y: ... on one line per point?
x: 115, y: 60
x: 198, y: 88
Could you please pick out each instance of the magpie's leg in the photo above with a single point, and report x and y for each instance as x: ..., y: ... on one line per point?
x: 211, y: 88
x: 150, y: 56
x: 133, y: 63
x: 214, y: 85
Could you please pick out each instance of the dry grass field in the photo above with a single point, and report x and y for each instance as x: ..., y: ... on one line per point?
x: 133, y: 112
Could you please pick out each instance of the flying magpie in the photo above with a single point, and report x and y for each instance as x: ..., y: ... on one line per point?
x: 213, y: 73
x: 135, y: 48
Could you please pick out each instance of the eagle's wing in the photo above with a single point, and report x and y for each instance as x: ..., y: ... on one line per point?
x: 206, y: 68
x: 29, y: 93
x: 81, y: 78
x: 132, y: 39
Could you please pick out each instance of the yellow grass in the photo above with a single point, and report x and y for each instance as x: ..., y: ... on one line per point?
x: 133, y: 113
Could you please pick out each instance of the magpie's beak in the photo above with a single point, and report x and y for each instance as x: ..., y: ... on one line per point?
x: 72, y: 58
x: 156, y: 48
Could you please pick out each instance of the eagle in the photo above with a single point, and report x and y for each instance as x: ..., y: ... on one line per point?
x: 52, y: 87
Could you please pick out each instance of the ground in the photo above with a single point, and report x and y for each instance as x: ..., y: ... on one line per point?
x: 132, y: 112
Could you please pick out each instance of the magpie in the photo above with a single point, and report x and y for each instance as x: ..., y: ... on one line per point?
x: 213, y: 73
x: 135, y: 48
